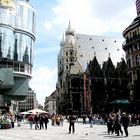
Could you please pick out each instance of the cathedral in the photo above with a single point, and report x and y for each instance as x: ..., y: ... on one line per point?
x: 99, y: 74
x: 87, y: 84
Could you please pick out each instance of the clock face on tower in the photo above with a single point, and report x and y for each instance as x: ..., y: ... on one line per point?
x: 6, y: 3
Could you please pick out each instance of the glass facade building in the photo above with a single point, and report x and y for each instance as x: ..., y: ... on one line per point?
x: 17, y: 36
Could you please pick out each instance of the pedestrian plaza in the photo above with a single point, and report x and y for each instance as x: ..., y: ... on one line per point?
x: 82, y: 132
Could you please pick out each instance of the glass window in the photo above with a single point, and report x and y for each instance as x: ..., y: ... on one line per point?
x: 19, y: 16
x: 25, y: 18
x: 6, y: 17
x: 7, y: 42
x: 24, y: 49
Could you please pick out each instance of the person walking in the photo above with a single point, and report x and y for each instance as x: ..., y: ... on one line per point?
x: 84, y: 119
x: 46, y: 121
x: 125, y: 123
x: 110, y: 124
x: 71, y: 120
x: 118, y: 124
x: 41, y: 121
x: 31, y: 120
x: 36, y: 119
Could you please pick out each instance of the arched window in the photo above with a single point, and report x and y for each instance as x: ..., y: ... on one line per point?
x: 71, y: 53
x: 66, y: 53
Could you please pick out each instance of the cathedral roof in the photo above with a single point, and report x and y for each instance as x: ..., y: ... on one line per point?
x: 88, y: 45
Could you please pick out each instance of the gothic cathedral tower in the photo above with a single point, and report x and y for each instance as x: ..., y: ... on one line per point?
x: 66, y: 58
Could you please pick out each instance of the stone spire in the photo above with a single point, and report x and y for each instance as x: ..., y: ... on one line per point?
x: 70, y: 33
x: 138, y: 7
x: 62, y: 43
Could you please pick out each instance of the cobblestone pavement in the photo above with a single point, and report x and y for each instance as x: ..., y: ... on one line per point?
x: 83, y: 132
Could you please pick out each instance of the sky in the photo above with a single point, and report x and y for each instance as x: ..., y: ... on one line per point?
x: 92, y: 17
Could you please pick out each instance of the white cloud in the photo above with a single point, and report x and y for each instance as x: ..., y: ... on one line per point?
x: 43, y: 82
x: 48, y: 25
x: 93, y: 16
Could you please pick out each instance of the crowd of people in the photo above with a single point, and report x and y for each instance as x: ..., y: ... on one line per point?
x: 7, y: 121
x: 40, y: 121
x: 114, y: 121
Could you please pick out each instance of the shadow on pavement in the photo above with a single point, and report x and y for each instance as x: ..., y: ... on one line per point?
x: 136, y: 135
x: 105, y: 134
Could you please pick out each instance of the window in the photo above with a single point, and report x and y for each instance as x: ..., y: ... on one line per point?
x: 137, y: 60
x: 71, y: 53
x: 135, y: 46
x: 66, y: 53
x: 129, y: 63
x: 67, y: 67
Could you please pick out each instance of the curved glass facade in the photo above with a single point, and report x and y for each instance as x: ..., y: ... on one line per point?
x: 25, y: 17
x: 17, y: 35
x: 7, y: 17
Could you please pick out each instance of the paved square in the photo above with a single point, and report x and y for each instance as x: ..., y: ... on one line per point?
x: 83, y: 132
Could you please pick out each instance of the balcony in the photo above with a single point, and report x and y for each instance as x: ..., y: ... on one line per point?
x: 131, y: 41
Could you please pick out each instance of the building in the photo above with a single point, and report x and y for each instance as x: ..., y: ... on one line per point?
x: 106, y: 85
x: 131, y: 47
x: 17, y: 36
x: 50, y: 103
x: 29, y: 103
x: 75, y: 53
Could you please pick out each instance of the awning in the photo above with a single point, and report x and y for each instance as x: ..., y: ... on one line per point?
x: 122, y: 101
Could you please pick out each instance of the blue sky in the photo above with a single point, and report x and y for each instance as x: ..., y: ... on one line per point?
x: 96, y: 17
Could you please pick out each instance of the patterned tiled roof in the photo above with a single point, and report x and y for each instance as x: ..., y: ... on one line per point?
x: 89, y: 45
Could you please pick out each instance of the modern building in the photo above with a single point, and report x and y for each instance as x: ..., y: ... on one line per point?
x: 75, y: 53
x: 17, y: 36
x: 131, y: 47
x: 29, y: 103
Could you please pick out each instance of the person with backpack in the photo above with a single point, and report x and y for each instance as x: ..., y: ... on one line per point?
x: 31, y: 120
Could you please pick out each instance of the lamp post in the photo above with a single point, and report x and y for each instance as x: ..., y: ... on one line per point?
x: 0, y: 44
